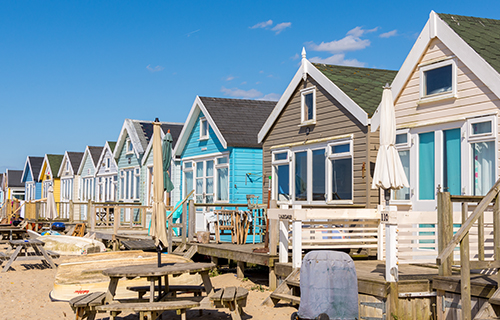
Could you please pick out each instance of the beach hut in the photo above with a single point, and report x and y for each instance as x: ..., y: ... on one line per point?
x: 32, y: 185
x: 70, y: 181
x: 14, y: 187
x: 49, y: 175
x: 317, y: 145
x: 2, y: 193
x: 107, y: 174
x: 87, y: 171
x: 221, y: 157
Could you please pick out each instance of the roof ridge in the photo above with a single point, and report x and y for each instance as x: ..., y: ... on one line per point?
x: 235, y: 99
x: 351, y: 67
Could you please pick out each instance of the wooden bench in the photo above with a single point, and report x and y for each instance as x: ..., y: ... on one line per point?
x: 150, y: 310
x: 233, y: 298
x: 85, y: 305
x: 142, y: 290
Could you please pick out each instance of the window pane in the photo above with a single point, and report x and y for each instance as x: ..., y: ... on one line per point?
x: 401, y: 138
x: 452, y: 166
x: 188, y: 183
x: 199, y: 169
x: 301, y: 176
x: 210, y: 199
x: 281, y: 156
x: 221, y: 160
x: 210, y: 185
x: 438, y: 80
x: 137, y: 186
x: 188, y: 165
x: 426, y: 166
x: 210, y: 168
x: 308, y: 103
x: 481, y: 127
x: 341, y: 148
x: 318, y: 183
x: 404, y: 193
x: 342, y: 179
x: 222, y: 184
x: 283, y: 182
x: 483, y: 159
x: 199, y: 186
x: 204, y: 128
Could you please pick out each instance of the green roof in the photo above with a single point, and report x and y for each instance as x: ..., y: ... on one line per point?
x: 112, y: 145
x: 363, y: 85
x: 55, y: 161
x: 482, y: 35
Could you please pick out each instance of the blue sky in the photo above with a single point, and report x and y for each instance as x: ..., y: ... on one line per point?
x: 72, y: 71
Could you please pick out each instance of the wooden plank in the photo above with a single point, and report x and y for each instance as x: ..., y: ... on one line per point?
x: 452, y: 284
x: 465, y: 269
x: 445, y: 223
x: 149, y: 306
x: 229, y: 294
x: 217, y: 295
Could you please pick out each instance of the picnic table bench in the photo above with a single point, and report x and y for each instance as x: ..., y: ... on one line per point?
x: 85, y: 306
x: 150, y: 310
x: 173, y: 290
x: 233, y: 298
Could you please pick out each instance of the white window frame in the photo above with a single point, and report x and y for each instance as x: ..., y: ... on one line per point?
x: 274, y: 180
x: 303, y: 114
x: 128, y: 177
x: 471, y: 138
x: 332, y: 156
x: 184, y: 171
x: 129, y: 145
x: 404, y: 147
x: 442, y: 95
x: 204, y: 135
x: 216, y: 178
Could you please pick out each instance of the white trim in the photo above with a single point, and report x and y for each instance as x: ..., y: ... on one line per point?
x: 86, y: 154
x: 309, y: 69
x: 303, y: 118
x: 197, y: 107
x: 206, y: 135
x: 102, y: 158
x: 424, y: 98
x: 485, y: 136
x: 204, y: 156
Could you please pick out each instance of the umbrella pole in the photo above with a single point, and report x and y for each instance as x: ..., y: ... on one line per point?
x: 158, y: 249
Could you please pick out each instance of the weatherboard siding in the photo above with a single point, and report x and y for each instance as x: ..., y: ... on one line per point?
x: 332, y: 119
x: 102, y: 170
x: 245, y: 165
x: 195, y: 147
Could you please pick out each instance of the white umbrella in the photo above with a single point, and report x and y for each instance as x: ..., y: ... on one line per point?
x: 389, y: 172
x: 51, y: 212
x: 158, y: 218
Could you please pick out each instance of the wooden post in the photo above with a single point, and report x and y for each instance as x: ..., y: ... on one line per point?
x: 273, y: 231
x: 445, y: 229
x: 184, y: 222
x: 90, y: 215
x: 296, y: 243
x: 71, y: 211
x: 465, y: 269
x: 496, y: 232
x: 480, y: 237
x: 283, y: 250
x: 116, y: 221
x: 192, y: 220
x: 170, y: 234
x: 240, y: 269
x: 393, y: 299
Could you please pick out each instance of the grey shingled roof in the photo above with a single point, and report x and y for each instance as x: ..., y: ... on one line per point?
x: 363, y: 85
x: 239, y: 121
x: 95, y: 153
x: 481, y: 34
x: 175, y: 130
x: 55, y: 163
x: 112, y: 145
x: 35, y: 165
x: 14, y: 178
x: 75, y: 158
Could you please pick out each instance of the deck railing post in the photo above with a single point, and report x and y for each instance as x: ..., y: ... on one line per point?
x: 91, y: 215
x: 445, y: 229
x: 184, y: 222
x: 71, y: 211
x: 192, y: 220
x: 465, y: 269
x: 496, y: 232
x: 283, y: 237
x: 170, y: 234
x: 297, y: 243
x: 273, y: 232
x: 480, y: 236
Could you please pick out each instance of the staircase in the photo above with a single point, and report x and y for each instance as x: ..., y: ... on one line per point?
x: 185, y: 252
x: 288, y: 290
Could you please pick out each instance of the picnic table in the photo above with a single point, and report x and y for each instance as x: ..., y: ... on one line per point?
x: 12, y: 233
x: 29, y: 249
x: 155, y: 274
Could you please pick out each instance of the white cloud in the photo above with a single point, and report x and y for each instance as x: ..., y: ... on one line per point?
x: 351, y: 42
x: 389, y: 34
x: 281, y: 26
x: 229, y: 78
x: 263, y: 24
x: 240, y: 93
x: 338, y: 59
x: 190, y: 33
x: 155, y: 69
x: 271, y: 97
x: 295, y: 57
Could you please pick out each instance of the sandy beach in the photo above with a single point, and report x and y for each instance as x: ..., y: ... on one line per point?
x: 24, y: 294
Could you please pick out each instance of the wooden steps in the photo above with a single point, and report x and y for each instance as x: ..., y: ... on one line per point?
x: 287, y: 291
x: 491, y: 309
x: 189, y: 253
